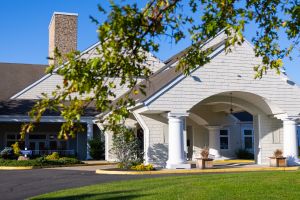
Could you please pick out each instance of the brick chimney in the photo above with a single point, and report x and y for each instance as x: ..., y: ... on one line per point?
x: 62, y: 34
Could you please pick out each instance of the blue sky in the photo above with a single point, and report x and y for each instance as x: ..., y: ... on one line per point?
x: 24, y: 31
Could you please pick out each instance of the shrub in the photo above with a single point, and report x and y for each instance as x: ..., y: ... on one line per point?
x: 143, y: 167
x: 53, y: 156
x: 96, y: 149
x: 244, y: 154
x: 39, y: 162
x: 7, y: 153
x: 16, y: 149
x: 126, y: 148
x: 68, y: 161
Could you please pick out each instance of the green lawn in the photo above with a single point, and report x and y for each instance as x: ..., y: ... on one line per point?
x: 252, y: 185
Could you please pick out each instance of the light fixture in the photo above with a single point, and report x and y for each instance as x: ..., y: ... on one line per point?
x: 231, y: 108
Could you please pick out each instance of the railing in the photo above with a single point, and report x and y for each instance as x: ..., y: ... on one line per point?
x: 48, y: 152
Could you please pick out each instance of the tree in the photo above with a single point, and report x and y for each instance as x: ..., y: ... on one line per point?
x: 129, y: 32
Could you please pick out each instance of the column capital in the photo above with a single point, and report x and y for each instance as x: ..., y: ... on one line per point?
x: 290, y: 120
x: 213, y: 127
x: 177, y: 115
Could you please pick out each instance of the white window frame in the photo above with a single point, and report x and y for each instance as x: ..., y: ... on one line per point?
x: 228, y: 137
x: 10, y: 133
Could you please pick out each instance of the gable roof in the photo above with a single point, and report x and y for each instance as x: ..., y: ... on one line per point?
x: 165, y: 76
x: 91, y: 52
x: 15, y: 77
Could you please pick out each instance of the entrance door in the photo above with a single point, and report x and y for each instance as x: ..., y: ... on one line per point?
x: 37, y: 147
x: 248, y: 139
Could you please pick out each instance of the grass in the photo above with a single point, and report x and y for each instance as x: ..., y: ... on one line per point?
x: 251, y: 185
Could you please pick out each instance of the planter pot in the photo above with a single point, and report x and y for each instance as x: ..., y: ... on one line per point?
x: 278, y: 162
x: 206, y: 163
x: 23, y: 158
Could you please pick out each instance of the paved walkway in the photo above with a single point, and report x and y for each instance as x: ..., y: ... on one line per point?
x: 21, y: 184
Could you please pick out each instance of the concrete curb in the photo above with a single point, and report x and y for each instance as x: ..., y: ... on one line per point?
x: 16, y: 168
x: 50, y: 166
x: 192, y: 171
x: 232, y: 161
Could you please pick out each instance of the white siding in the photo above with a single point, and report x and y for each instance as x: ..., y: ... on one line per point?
x: 158, y: 139
x: 271, y: 136
x: 229, y: 72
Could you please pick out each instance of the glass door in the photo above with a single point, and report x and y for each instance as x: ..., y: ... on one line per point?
x: 248, y: 140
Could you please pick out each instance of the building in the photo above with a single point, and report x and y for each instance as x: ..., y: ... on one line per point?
x: 219, y: 105
x: 19, y: 79
x: 26, y: 83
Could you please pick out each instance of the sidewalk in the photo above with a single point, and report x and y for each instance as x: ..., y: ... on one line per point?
x: 220, y: 166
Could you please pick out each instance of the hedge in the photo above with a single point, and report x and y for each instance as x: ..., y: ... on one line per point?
x: 39, y: 162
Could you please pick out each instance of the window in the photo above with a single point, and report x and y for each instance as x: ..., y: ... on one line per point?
x: 53, y: 145
x: 224, y: 139
x: 12, y: 138
x: 37, y: 137
x: 63, y: 145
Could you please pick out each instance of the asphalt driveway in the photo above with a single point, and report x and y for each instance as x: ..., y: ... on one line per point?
x: 21, y: 184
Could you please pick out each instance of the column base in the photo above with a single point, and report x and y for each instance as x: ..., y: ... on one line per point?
x: 179, y: 166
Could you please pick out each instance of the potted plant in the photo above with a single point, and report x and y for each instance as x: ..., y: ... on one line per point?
x: 278, y: 160
x: 205, y: 162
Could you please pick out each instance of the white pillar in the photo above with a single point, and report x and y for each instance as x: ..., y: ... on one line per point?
x: 176, y: 157
x: 108, y: 142
x: 214, y: 141
x: 89, y: 134
x: 259, y: 146
x: 185, y: 139
x: 290, y: 147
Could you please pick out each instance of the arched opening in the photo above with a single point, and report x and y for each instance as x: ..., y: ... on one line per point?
x: 230, y: 125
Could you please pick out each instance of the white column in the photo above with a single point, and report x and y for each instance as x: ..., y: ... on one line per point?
x: 258, y: 150
x: 290, y: 147
x: 176, y: 157
x: 89, y: 133
x: 185, y: 139
x: 214, y: 141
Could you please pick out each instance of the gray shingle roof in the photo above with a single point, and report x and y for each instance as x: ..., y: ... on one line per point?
x: 21, y: 107
x: 15, y: 77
